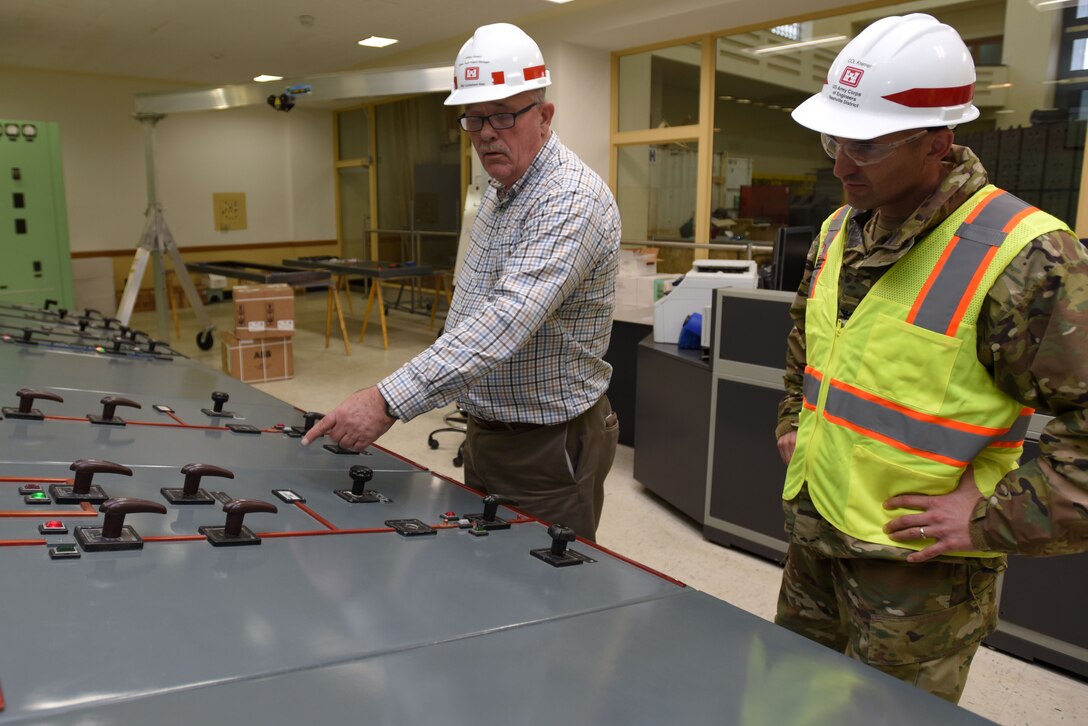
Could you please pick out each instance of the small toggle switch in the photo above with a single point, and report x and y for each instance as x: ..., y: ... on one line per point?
x: 558, y: 555
x: 488, y: 519
x: 28, y: 337
x: 218, y: 399
x: 234, y: 533
x: 359, y: 494
x: 190, y: 492
x: 116, y: 349
x: 309, y: 419
x: 26, y: 408
x: 81, y: 489
x: 114, y: 534
x: 109, y: 405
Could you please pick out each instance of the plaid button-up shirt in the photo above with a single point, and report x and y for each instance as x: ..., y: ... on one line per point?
x: 532, y: 309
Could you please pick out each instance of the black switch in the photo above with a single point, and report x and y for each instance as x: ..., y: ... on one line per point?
x: 20, y: 226
x: 18, y: 200
x: 16, y: 173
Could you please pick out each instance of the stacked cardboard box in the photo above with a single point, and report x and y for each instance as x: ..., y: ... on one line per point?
x: 263, y: 311
x: 259, y: 349
x: 257, y: 361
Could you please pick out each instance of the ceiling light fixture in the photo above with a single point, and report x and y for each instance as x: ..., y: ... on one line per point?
x: 799, y: 45
x: 376, y: 41
x: 265, y: 78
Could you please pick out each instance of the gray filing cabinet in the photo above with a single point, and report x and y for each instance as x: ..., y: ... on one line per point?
x: 671, y: 410
x: 744, y: 471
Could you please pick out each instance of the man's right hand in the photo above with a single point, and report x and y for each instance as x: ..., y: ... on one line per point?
x: 786, y: 444
x: 356, y: 423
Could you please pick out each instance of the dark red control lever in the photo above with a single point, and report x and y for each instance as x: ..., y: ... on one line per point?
x: 109, y: 406
x: 26, y: 409
x: 114, y: 534
x: 190, y: 492
x: 82, y: 490
x: 234, y: 533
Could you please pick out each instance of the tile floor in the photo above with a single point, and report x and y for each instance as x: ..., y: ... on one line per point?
x: 636, y: 523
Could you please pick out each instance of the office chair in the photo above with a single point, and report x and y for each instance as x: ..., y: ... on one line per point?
x: 456, y: 421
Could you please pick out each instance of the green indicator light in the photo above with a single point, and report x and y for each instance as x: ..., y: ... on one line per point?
x: 38, y: 495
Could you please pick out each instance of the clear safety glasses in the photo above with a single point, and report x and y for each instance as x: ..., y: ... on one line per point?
x: 497, y: 120
x: 864, y: 153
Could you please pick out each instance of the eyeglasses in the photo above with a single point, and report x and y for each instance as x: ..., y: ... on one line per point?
x: 498, y: 121
x: 864, y: 153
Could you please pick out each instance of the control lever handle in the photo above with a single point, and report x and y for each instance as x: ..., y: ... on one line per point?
x: 237, y: 509
x: 27, y: 397
x: 110, y: 404
x: 116, y: 509
x: 85, y: 470
x: 195, y: 472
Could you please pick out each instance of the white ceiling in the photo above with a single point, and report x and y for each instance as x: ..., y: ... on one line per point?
x: 221, y: 42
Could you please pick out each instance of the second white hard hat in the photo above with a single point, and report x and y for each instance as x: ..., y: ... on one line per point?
x: 902, y: 72
x: 498, y: 61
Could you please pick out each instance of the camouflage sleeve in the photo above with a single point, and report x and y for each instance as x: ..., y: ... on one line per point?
x: 790, y: 407
x: 1033, y: 336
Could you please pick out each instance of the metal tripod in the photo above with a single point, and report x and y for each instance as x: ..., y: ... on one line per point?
x: 155, y: 240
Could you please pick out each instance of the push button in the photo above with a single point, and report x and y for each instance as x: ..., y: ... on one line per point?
x: 29, y: 488
x: 53, y: 526
x: 37, y: 498
x: 64, y: 552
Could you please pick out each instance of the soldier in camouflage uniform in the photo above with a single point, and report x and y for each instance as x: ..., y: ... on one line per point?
x: 912, y: 605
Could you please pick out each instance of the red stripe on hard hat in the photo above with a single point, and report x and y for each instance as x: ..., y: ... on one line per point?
x: 498, y: 78
x: 533, y: 72
x: 933, y: 97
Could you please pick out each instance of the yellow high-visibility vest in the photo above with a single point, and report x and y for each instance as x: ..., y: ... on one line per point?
x: 895, y: 399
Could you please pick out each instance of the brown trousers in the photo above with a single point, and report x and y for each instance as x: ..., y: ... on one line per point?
x: 554, y: 473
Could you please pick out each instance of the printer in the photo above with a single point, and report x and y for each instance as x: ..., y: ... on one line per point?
x: 694, y: 293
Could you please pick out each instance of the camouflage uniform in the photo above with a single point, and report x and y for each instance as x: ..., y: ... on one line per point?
x: 923, y: 622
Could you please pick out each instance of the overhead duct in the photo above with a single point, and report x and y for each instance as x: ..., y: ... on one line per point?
x: 332, y: 87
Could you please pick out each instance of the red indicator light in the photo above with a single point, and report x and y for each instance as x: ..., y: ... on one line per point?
x: 54, y: 524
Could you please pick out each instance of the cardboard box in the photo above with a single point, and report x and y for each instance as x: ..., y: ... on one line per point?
x: 257, y: 361
x: 263, y: 311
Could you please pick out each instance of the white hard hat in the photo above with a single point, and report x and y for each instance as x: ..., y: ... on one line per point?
x: 902, y: 72
x: 497, y: 62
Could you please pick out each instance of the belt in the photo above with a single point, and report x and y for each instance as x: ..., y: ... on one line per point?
x: 512, y: 426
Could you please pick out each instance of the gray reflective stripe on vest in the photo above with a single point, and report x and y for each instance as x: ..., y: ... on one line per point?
x: 975, y: 240
x: 1018, y: 430
x: 811, y: 389
x: 917, y: 435
x: 832, y: 229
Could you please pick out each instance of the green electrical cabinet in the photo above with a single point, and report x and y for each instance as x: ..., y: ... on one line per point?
x: 36, y: 262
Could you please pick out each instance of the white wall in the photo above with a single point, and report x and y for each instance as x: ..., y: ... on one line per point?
x: 581, y: 80
x: 282, y: 161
